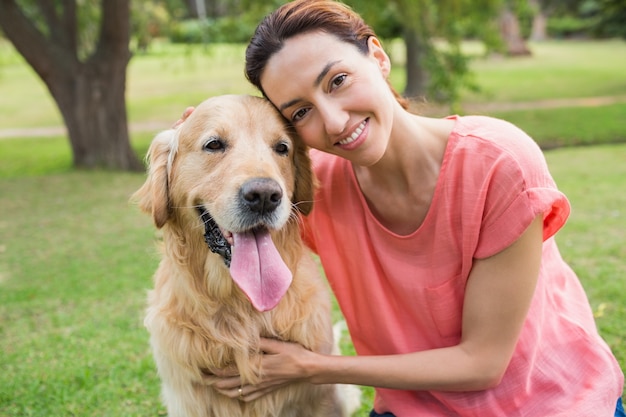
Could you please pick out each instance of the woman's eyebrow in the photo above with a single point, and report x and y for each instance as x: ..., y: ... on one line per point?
x: 317, y: 82
x: 323, y: 73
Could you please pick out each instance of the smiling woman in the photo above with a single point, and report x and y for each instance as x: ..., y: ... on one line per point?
x: 447, y: 223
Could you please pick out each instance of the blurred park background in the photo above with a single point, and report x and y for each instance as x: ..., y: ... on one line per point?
x: 85, y: 85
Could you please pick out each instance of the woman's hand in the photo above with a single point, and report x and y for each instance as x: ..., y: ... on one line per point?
x: 184, y: 117
x: 282, y: 363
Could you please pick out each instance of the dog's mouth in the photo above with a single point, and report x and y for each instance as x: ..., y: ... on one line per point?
x: 255, y: 264
x: 214, y: 237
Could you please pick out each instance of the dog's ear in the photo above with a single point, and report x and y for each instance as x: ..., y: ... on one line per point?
x: 305, y: 180
x: 153, y: 196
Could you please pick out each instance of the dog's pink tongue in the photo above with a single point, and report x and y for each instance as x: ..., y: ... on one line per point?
x: 258, y: 269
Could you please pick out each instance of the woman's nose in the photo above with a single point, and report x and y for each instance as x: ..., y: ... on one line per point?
x: 334, y: 118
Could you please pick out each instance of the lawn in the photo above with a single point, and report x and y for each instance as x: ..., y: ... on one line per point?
x: 76, y: 261
x: 76, y: 258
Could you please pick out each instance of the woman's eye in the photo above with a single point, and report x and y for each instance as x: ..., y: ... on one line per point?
x: 282, y: 148
x: 299, y: 115
x: 338, y: 80
x: 214, y: 145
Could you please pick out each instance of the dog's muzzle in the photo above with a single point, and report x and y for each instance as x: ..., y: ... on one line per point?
x: 214, y: 238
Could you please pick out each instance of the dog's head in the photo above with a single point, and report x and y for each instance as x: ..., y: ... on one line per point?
x: 232, y: 168
x: 226, y: 141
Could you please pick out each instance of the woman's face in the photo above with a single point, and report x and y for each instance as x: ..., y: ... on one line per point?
x: 336, y: 97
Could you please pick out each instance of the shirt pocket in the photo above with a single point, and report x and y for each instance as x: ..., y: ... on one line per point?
x: 445, y: 306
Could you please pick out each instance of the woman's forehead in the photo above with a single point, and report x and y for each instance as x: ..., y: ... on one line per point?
x: 307, y: 55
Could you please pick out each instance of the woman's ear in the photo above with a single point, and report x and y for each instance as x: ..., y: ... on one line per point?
x: 377, y: 52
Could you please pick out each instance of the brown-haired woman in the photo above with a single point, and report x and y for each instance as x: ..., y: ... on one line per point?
x: 436, y: 236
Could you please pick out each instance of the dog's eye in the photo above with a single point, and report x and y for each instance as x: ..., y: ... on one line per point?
x: 214, y: 145
x: 282, y: 148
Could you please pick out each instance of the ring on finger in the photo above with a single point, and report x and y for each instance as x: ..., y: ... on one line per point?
x: 240, y: 390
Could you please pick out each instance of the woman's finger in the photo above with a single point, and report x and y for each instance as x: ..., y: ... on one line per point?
x: 251, y: 392
x: 226, y: 384
x: 256, y: 392
x: 271, y: 346
x: 184, y: 117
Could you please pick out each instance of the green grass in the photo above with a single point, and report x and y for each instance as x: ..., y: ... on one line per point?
x: 571, y: 126
x: 171, y: 77
x: 593, y: 240
x: 557, y: 69
x: 75, y: 263
x: 76, y: 259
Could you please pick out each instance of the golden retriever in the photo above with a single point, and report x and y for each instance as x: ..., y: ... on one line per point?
x: 227, y: 188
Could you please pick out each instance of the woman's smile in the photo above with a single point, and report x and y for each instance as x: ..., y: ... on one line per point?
x: 356, y: 137
x: 338, y: 100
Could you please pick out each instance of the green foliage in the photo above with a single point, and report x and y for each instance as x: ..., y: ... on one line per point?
x: 149, y: 20
x: 445, y: 70
x: 88, y: 14
x: 612, y: 21
x: 450, y: 75
x: 570, y: 26
x: 383, y: 16
x: 587, y: 18
x: 189, y: 31
x: 525, y: 15
x: 227, y: 29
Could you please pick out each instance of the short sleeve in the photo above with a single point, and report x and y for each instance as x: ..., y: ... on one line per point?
x: 516, y: 187
x: 512, y: 222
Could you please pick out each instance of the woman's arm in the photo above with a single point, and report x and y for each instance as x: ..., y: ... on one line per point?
x: 498, y: 295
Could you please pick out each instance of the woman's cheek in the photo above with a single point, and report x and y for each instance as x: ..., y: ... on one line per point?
x: 310, y: 135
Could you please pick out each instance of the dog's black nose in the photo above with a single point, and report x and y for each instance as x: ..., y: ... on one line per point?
x: 261, y: 195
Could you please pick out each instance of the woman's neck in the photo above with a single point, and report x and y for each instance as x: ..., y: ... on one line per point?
x: 399, y: 188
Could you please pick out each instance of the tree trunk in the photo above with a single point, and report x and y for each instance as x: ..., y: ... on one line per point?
x: 92, y: 102
x: 511, y: 33
x: 90, y: 94
x: 540, y: 27
x: 416, y: 76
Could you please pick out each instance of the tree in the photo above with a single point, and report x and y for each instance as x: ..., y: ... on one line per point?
x: 88, y: 87
x: 511, y: 31
x: 539, y: 31
x: 612, y: 18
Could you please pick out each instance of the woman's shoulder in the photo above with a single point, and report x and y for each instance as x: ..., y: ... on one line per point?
x: 490, y: 132
x: 484, y: 142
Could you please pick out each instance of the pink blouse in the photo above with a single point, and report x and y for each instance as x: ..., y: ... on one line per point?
x: 404, y: 294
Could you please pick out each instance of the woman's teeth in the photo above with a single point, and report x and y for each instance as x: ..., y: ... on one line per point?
x: 354, y: 134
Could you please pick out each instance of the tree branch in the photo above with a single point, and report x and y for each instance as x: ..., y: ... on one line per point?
x: 70, y: 23
x: 115, y: 29
x: 49, y: 14
x: 26, y: 38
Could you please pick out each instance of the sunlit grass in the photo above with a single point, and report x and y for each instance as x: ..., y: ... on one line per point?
x: 76, y: 261
x: 162, y: 82
x: 76, y: 258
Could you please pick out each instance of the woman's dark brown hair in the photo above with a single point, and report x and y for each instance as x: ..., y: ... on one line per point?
x: 302, y: 16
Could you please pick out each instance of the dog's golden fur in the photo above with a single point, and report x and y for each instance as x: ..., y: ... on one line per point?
x: 199, y: 320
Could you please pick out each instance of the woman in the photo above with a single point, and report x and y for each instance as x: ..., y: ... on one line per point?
x: 436, y: 236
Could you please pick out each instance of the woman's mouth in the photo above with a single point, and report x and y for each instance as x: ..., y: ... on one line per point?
x: 354, y: 136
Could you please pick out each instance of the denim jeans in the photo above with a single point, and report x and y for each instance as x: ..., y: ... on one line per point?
x: 619, y: 409
x: 375, y: 414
